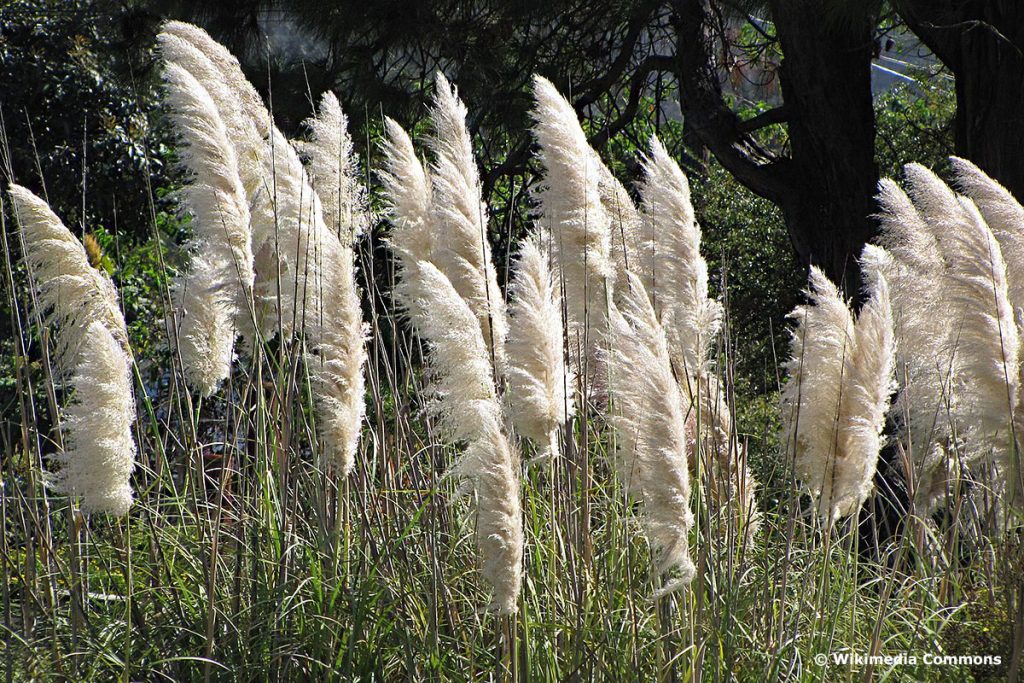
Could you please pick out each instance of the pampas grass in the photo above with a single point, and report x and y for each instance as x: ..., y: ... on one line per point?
x: 406, y: 186
x: 571, y: 209
x: 213, y: 297
x: 334, y: 170
x: 924, y: 326
x: 467, y: 407
x: 648, y: 415
x: 70, y: 292
x: 840, y: 381
x: 537, y: 377
x: 868, y: 383
x: 336, y: 331
x: 985, y: 339
x: 99, y: 453
x: 459, y: 218
x: 92, y: 344
x: 680, y: 274
x: 245, y: 136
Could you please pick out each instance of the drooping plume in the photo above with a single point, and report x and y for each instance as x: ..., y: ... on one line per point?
x: 630, y: 241
x: 460, y: 219
x: 1004, y: 216
x: 213, y: 297
x: 840, y: 381
x: 820, y: 342
x: 334, y: 168
x: 538, y: 385
x: 691, y: 319
x: 92, y: 347
x: 649, y: 418
x: 71, y: 293
x: 574, y: 215
x: 337, y: 333
x: 99, y: 450
x: 924, y: 326
x: 867, y: 385
x: 407, y: 189
x: 985, y: 340
x: 246, y: 137
x: 249, y: 101
x: 469, y: 411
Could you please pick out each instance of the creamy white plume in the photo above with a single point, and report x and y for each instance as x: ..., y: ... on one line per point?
x: 691, y: 320
x: 539, y: 387
x: 574, y: 215
x: 459, y: 218
x: 468, y: 409
x: 407, y: 191
x: 334, y: 169
x: 820, y: 342
x: 649, y: 415
x: 99, y: 449
x: 70, y: 292
x: 213, y: 296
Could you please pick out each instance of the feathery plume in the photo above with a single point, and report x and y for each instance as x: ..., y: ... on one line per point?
x: 923, y: 324
x: 288, y: 226
x: 249, y: 100
x: 213, y: 298
x: 337, y: 332
x: 819, y: 344
x: 407, y: 189
x: 1004, y: 216
x: 99, y: 454
x: 573, y: 213
x: 468, y: 409
x: 246, y: 137
x: 867, y: 385
x: 71, y: 293
x: 537, y: 378
x: 334, y: 168
x: 649, y: 418
x: 691, y: 320
x: 460, y: 219
x: 630, y: 244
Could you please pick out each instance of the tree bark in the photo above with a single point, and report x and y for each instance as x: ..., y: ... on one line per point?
x: 982, y: 43
x: 826, y: 185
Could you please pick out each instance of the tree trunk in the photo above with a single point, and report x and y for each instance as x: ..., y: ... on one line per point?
x: 826, y: 185
x: 982, y: 43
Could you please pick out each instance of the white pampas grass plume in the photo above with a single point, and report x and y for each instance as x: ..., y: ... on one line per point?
x: 246, y: 137
x: 248, y: 99
x: 630, y: 243
x: 841, y: 377
x: 649, y: 418
x: 1004, y: 216
x: 923, y: 324
x: 985, y: 338
x: 213, y: 297
x: 337, y: 339
x: 868, y: 383
x: 99, y: 453
x: 691, y: 320
x: 819, y: 345
x: 334, y: 169
x: 407, y: 190
x: 572, y: 211
x: 537, y: 377
x: 468, y: 408
x: 460, y: 219
x: 287, y: 223
x: 71, y: 293
x: 337, y: 331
